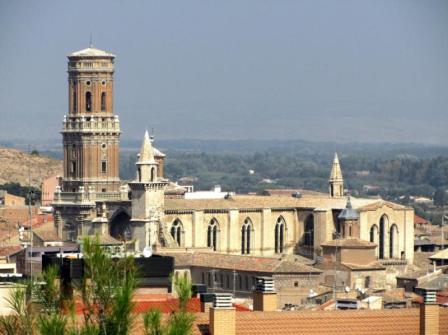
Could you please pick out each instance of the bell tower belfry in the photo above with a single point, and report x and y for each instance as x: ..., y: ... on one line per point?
x: 336, y: 182
x: 148, y: 198
x: 91, y: 131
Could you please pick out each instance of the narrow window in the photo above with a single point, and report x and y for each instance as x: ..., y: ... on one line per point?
x: 152, y: 174
x: 103, y: 166
x: 73, y: 168
x: 103, y: 101
x: 75, y: 102
x: 88, y: 102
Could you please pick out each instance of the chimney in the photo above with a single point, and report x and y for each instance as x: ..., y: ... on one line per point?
x: 206, y: 301
x: 429, y: 313
x: 222, y: 315
x: 265, y: 298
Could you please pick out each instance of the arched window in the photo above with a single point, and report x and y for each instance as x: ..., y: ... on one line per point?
x: 374, y: 237
x: 246, y: 231
x: 153, y: 170
x: 88, y: 102
x: 280, y: 227
x: 309, y: 232
x: 383, y: 229
x: 177, y: 231
x: 393, y: 241
x: 103, y: 101
x: 212, y: 234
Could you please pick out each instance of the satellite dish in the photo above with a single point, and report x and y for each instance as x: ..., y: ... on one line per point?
x: 147, y: 251
x: 347, y: 289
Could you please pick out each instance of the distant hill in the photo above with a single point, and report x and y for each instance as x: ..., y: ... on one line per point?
x: 14, y: 167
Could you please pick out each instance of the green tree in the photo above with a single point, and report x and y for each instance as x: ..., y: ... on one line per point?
x: 440, y: 197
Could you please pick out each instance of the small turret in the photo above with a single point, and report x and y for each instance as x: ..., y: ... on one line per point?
x: 349, y: 220
x: 336, y: 182
x: 146, y: 164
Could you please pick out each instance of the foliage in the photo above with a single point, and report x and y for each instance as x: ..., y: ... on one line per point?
x: 107, y: 290
x: 180, y: 322
x: 22, y: 191
x: 440, y: 197
x: 182, y: 286
x: 152, y: 321
x: 22, y: 320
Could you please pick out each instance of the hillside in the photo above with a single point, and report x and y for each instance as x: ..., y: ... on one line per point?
x: 14, y: 167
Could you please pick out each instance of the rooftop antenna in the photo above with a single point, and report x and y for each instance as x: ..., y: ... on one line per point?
x: 91, y: 41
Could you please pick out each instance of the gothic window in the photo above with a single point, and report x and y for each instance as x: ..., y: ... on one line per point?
x: 176, y: 231
x: 103, y: 101
x: 88, y: 102
x: 153, y: 171
x: 280, y: 235
x: 246, y: 231
x: 213, y: 234
x: 393, y: 241
x: 309, y: 232
x: 382, y: 237
x: 139, y: 174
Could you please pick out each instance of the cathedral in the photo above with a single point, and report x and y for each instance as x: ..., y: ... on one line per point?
x: 145, y: 212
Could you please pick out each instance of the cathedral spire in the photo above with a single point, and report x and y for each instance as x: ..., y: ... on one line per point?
x: 336, y: 182
x: 146, y: 164
x: 147, y: 151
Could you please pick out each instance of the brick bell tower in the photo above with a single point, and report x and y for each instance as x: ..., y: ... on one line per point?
x: 91, y: 131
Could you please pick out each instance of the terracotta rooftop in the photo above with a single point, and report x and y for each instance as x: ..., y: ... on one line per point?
x: 10, y: 250
x: 47, y: 235
x: 240, y: 263
x: 260, y: 202
x: 367, y: 322
x: 419, y: 220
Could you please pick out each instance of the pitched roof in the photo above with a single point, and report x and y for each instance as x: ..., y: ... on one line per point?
x: 10, y: 250
x: 262, y: 201
x: 91, y: 52
x: 47, y: 235
x: 240, y: 263
x: 443, y: 254
x: 146, y: 151
x: 419, y: 220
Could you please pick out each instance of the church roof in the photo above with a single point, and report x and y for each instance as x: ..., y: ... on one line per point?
x: 260, y: 202
x: 336, y: 173
x: 146, y: 151
x: 91, y: 52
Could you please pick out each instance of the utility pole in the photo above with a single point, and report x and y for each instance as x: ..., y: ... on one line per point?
x: 30, y: 214
x: 336, y: 236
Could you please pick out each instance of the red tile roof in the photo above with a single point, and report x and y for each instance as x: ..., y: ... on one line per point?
x: 419, y: 220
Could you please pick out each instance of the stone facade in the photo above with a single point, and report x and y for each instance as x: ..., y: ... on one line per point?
x: 92, y: 199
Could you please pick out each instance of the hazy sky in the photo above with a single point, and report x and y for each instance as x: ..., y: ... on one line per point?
x: 335, y: 70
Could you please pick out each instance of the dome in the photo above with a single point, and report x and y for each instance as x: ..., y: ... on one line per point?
x: 348, y: 213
